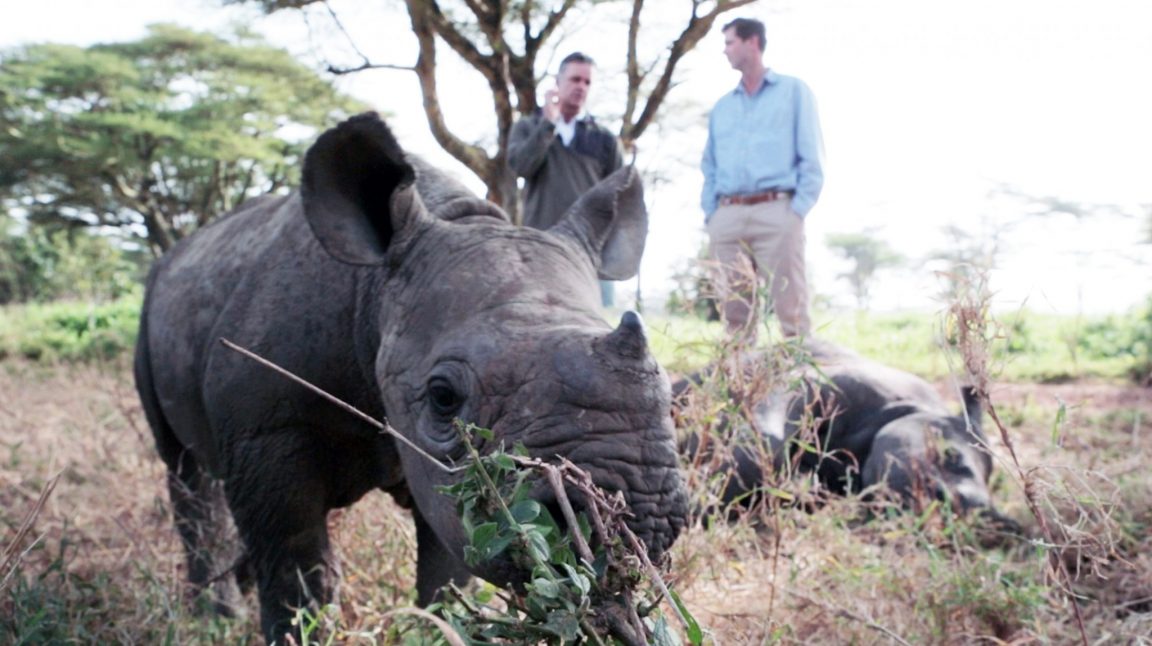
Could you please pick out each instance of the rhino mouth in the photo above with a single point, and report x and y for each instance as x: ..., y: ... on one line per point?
x: 640, y: 514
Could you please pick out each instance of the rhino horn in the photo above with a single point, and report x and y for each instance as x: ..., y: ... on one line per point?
x: 358, y: 190
x: 611, y: 222
x: 628, y: 340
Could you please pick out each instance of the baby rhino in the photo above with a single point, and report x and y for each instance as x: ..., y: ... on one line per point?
x: 388, y: 284
x: 855, y: 424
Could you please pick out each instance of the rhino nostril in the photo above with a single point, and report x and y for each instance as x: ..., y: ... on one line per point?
x: 942, y: 493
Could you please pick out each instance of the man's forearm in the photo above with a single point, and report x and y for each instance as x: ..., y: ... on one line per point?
x: 528, y: 146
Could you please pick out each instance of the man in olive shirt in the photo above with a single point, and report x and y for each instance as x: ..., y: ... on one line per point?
x: 560, y: 154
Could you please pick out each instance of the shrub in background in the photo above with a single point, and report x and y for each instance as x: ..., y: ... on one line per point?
x: 70, y: 330
x: 40, y: 265
x: 1128, y: 336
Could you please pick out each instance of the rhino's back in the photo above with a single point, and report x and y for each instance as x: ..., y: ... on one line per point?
x: 258, y: 278
x: 866, y: 384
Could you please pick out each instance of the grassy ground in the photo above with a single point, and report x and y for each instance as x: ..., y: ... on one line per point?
x: 100, y: 563
x: 1025, y: 346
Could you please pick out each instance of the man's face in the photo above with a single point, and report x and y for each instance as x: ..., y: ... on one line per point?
x: 740, y: 52
x: 572, y: 87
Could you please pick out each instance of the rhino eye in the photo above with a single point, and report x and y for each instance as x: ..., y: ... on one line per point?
x: 954, y: 461
x: 443, y: 398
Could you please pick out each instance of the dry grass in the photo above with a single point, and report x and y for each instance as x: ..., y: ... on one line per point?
x: 100, y: 562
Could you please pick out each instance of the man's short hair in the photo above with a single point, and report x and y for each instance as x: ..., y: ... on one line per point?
x: 747, y: 28
x: 575, y: 57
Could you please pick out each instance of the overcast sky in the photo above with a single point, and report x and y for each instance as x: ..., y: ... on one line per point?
x: 926, y: 107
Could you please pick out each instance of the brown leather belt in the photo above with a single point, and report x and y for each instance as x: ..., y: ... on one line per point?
x: 754, y: 198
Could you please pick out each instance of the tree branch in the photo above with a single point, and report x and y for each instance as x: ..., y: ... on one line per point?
x: 367, y: 65
x: 473, y: 157
x: 457, y: 41
x: 698, y: 27
x: 347, y: 36
x: 632, y: 68
x: 554, y: 20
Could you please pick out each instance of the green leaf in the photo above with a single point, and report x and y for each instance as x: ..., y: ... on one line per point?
x: 694, y: 633
x: 546, y: 588
x: 779, y: 493
x: 498, y: 545
x: 538, y: 547
x: 504, y: 461
x: 807, y: 447
x: 564, y: 625
x: 582, y: 583
x: 526, y: 511
x: 483, y: 535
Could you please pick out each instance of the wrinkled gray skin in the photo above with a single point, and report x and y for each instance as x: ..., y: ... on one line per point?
x: 875, y: 425
x: 390, y: 286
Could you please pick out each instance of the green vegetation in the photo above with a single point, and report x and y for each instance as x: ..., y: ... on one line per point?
x: 38, y: 264
x: 868, y: 254
x: 154, y: 137
x: 1025, y: 346
x: 580, y: 589
x: 70, y: 331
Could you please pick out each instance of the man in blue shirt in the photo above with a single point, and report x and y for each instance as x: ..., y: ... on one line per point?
x: 762, y: 175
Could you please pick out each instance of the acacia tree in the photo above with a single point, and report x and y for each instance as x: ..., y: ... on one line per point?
x: 868, y: 254
x: 157, y: 136
x: 502, y: 41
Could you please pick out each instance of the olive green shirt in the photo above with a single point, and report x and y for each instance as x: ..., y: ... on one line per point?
x: 556, y: 175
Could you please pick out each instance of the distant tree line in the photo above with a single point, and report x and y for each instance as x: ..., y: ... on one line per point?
x: 157, y: 136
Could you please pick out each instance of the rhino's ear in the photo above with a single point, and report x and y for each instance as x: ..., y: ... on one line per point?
x: 973, y: 410
x: 611, y: 222
x: 358, y: 190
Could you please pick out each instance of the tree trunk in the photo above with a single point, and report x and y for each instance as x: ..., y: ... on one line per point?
x: 503, y: 190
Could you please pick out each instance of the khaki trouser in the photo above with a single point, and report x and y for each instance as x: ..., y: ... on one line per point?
x: 764, y: 239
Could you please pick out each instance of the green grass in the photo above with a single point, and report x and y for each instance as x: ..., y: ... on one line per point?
x: 1025, y: 346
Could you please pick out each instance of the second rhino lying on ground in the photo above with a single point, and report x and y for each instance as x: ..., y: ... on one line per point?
x: 856, y: 424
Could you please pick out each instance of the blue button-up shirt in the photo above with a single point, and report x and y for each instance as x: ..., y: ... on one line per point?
x: 767, y: 141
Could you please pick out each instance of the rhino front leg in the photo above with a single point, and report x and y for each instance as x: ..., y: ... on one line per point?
x: 278, y: 492
x: 435, y: 565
